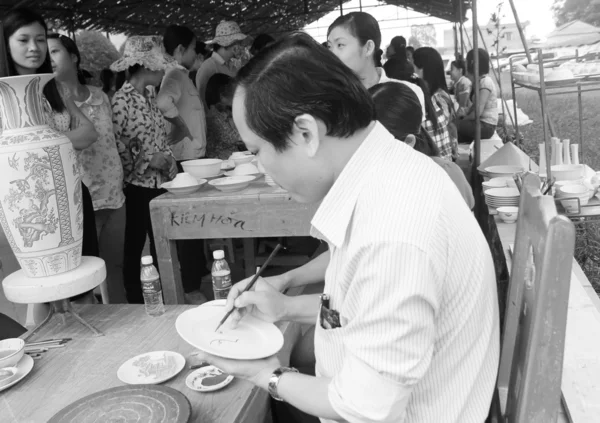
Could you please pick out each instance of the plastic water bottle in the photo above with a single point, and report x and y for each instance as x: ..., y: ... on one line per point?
x: 151, y: 288
x: 221, y: 275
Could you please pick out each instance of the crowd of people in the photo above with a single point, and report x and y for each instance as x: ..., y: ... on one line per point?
x: 408, y: 270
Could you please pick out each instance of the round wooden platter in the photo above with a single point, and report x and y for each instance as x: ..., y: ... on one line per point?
x: 128, y: 404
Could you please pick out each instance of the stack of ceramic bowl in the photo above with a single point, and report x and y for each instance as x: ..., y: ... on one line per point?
x: 502, y: 197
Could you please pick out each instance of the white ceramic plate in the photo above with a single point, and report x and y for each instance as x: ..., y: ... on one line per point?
x: 232, y: 173
x: 183, y: 190
x: 203, y: 379
x: 251, y: 340
x: 232, y: 183
x: 151, y: 368
x: 24, y: 366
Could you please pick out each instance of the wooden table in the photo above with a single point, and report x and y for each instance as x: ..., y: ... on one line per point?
x: 581, y: 367
x: 89, y: 364
x: 258, y: 211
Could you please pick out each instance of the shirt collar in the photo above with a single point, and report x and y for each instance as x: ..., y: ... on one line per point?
x: 335, y: 212
x: 217, y: 57
x: 382, y: 76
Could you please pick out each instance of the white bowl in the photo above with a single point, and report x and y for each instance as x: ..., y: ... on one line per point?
x: 500, y: 171
x: 508, y: 180
x: 183, y: 180
x: 11, y: 352
x: 493, y: 184
x: 247, y: 158
x: 202, y: 168
x: 240, y: 154
x: 232, y: 183
x: 508, y: 214
x: 568, y: 172
x: 244, y: 169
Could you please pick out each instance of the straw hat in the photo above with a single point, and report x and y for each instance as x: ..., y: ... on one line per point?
x: 227, y: 33
x: 146, y: 51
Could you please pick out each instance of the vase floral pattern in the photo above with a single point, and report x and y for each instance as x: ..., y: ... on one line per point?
x: 40, y: 184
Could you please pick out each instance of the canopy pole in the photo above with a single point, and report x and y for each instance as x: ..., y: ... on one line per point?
x: 520, y: 29
x: 460, y: 20
x: 529, y: 59
x: 477, y: 141
x: 341, y: 7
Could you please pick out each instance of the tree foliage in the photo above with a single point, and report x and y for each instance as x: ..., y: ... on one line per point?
x: 566, y: 11
x: 423, y: 36
x: 97, y: 52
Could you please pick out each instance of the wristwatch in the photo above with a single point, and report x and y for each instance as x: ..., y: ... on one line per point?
x: 274, y: 381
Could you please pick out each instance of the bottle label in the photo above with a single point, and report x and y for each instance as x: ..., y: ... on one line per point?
x: 151, y: 286
x: 221, y: 280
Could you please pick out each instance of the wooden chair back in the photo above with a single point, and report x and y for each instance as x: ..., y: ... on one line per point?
x: 531, y: 360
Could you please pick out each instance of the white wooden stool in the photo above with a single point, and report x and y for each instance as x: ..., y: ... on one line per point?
x: 57, y: 289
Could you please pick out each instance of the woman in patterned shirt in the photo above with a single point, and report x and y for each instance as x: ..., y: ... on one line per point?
x: 102, y: 168
x: 141, y: 133
x: 430, y: 67
x: 222, y: 136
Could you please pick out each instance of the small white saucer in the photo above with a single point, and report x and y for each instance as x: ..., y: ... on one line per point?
x: 203, y: 379
x: 151, y: 368
x: 24, y: 366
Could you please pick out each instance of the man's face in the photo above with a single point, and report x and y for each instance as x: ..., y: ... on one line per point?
x: 297, y: 169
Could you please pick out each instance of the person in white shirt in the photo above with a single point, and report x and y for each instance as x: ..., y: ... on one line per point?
x: 179, y: 101
x: 226, y: 46
x: 411, y: 331
x: 356, y: 39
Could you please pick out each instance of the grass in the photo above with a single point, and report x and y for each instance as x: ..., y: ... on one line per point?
x: 563, y: 109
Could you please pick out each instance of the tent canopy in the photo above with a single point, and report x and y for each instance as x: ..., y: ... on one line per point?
x: 254, y: 16
x: 573, y: 34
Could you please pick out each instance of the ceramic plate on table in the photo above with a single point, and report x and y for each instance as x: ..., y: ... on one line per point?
x: 208, y: 379
x: 142, y: 403
x: 185, y: 189
x: 23, y: 369
x: 251, y: 340
x: 151, y: 368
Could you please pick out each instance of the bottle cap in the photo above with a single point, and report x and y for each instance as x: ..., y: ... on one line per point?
x: 146, y: 260
x: 218, y: 254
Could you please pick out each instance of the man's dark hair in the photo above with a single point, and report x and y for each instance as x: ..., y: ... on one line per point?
x: 296, y: 76
x: 176, y: 35
x: 484, y: 62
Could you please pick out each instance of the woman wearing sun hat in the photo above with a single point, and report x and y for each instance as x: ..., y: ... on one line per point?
x: 141, y: 133
x: 226, y: 45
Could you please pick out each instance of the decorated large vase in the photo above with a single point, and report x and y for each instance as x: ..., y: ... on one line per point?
x: 41, y: 209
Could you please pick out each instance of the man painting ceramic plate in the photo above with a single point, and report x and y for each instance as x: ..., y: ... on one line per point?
x: 407, y: 329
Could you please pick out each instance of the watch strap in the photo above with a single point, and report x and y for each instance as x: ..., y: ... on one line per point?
x: 274, y: 381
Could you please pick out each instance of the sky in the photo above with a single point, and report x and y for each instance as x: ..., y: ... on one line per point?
x: 395, y: 20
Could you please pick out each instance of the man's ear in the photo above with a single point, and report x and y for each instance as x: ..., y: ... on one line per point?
x: 411, y: 140
x: 305, y: 132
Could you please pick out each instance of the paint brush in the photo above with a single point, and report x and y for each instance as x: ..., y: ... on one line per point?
x: 252, y: 282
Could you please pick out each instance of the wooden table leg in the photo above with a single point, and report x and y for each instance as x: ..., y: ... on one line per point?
x: 249, y: 257
x: 168, y: 262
